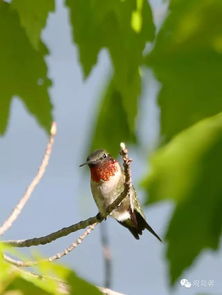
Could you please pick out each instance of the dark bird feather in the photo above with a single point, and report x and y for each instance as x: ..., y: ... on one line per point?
x: 137, y: 224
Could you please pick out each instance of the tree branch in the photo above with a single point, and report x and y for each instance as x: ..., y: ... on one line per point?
x: 67, y: 250
x: 107, y: 257
x: 53, y: 236
x: 127, y: 184
x: 18, y: 209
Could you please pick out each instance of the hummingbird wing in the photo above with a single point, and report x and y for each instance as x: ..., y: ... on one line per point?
x: 142, y: 224
x: 137, y: 222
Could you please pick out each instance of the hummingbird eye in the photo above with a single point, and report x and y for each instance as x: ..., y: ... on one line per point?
x: 105, y: 155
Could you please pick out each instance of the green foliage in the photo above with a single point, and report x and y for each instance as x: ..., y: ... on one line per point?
x: 187, y: 60
x: 123, y: 28
x: 23, y: 71
x: 110, y: 131
x: 22, y: 286
x: 187, y: 170
x: 49, y: 278
x: 33, y: 16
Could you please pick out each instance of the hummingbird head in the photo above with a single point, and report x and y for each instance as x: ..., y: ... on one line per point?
x: 101, y: 164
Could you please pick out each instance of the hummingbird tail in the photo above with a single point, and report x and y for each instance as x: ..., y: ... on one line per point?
x: 131, y: 228
x: 142, y: 224
x: 136, y: 224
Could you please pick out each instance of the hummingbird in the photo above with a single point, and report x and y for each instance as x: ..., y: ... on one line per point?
x: 107, y: 183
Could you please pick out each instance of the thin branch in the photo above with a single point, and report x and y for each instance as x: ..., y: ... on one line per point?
x: 74, y: 244
x: 67, y: 250
x: 127, y: 171
x: 17, y: 210
x: 85, y: 223
x: 107, y: 257
x: 53, y: 236
x: 127, y: 184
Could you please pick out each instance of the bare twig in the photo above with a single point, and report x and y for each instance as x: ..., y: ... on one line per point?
x: 67, y: 250
x: 106, y: 256
x: 53, y: 236
x: 127, y: 184
x: 74, y: 244
x: 127, y: 171
x: 17, y: 210
x: 82, y: 224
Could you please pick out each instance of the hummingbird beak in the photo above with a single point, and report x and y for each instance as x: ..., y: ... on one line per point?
x: 83, y: 164
x: 86, y: 163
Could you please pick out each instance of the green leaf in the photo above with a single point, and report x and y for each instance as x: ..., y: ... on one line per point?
x: 187, y: 60
x: 33, y: 16
x: 110, y: 131
x: 188, y: 171
x: 46, y: 282
x: 24, y: 287
x: 123, y: 28
x: 80, y: 286
x: 52, y: 278
x: 7, y: 274
x: 75, y: 284
x: 23, y: 71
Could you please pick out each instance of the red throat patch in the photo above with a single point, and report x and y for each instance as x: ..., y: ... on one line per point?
x: 103, y: 171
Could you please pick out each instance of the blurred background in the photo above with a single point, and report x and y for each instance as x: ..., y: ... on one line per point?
x: 173, y: 82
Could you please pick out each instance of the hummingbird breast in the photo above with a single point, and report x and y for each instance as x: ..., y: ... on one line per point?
x: 106, y: 191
